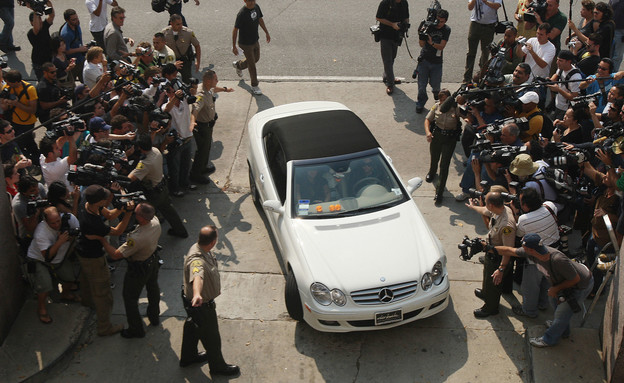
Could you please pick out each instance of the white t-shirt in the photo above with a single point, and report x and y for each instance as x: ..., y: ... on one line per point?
x: 545, y: 51
x: 91, y: 72
x: 484, y: 14
x: 560, y: 102
x: 55, y: 171
x: 97, y: 23
x: 181, y: 119
x: 44, y: 237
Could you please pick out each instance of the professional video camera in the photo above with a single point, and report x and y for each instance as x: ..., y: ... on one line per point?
x: 90, y: 174
x: 508, y: 197
x: 66, y: 127
x: 121, y: 200
x: 67, y: 92
x: 34, y: 204
x: 502, y: 154
x: 469, y: 247
x: 38, y: 6
x: 494, y: 73
x: 177, y: 141
x: 537, y: 7
x: 177, y: 84
x: 582, y: 102
x: 430, y: 22
x: 74, y: 232
x: 128, y: 72
x: 135, y: 108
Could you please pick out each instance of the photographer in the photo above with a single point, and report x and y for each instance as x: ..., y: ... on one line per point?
x: 144, y: 57
x: 509, y: 43
x: 603, y: 26
x: 569, y: 129
x: 569, y: 75
x: 50, y: 95
x: 28, y: 190
x: 430, y: 60
x: 392, y: 15
x: 535, y: 216
x: 72, y: 34
x: 483, y: 17
x: 501, y: 232
x: 478, y: 115
x: 589, y: 59
x: 95, y: 277
x: 39, y: 38
x: 53, y: 167
x: 51, y: 252
x: 528, y: 173
x: 557, y: 21
x: 539, y: 53
x: 532, y: 112
x: 94, y: 68
x: 571, y: 283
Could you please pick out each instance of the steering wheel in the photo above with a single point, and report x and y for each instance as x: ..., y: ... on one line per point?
x: 365, y: 182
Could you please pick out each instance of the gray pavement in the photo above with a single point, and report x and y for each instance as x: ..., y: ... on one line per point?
x: 257, y: 333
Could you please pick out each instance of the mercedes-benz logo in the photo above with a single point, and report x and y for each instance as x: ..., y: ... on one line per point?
x: 386, y: 295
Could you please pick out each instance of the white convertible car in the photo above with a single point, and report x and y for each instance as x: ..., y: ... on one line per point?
x: 358, y: 252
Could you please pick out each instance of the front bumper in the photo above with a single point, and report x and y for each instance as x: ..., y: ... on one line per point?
x: 362, y: 317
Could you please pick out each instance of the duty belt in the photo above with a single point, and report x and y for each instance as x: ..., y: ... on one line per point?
x: 445, y: 132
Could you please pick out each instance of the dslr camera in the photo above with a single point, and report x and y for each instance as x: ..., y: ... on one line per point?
x: 38, y: 6
x: 537, y: 7
x: 469, y: 247
x: 73, y: 232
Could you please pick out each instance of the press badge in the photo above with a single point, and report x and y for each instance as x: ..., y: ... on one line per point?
x: 303, y: 207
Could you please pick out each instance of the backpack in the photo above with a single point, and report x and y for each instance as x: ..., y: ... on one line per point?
x: 159, y: 5
x: 547, y: 124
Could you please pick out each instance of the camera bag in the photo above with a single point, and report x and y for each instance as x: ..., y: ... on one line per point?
x: 159, y: 5
x: 501, y: 26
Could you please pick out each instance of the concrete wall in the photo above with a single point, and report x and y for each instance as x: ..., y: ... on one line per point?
x: 11, y: 283
x: 612, y: 350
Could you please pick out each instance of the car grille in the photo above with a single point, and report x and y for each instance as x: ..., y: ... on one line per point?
x: 373, y: 297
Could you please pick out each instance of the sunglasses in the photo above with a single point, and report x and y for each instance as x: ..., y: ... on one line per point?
x: 602, y: 68
x: 9, y: 131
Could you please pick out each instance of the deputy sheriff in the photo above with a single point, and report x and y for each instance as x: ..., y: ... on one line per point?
x: 202, y: 285
x: 149, y: 171
x: 180, y: 38
x: 204, y: 116
x: 140, y: 251
x: 502, y: 232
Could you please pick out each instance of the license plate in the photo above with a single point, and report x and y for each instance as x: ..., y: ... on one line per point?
x: 388, y: 317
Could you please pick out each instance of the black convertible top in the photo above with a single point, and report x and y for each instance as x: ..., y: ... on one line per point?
x: 321, y: 134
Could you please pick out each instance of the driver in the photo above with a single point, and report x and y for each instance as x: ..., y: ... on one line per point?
x: 312, y: 186
x: 370, y: 169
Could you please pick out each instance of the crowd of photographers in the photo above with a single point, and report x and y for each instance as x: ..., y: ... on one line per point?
x: 542, y: 128
x: 122, y: 127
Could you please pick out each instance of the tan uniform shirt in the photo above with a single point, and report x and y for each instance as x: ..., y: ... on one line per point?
x: 181, y: 45
x: 502, y: 228
x: 204, y: 106
x: 142, y: 242
x: 150, y: 169
x: 446, y: 121
x: 198, y: 264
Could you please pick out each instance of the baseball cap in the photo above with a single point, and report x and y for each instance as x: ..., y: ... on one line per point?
x: 566, y: 55
x: 534, y: 241
x: 97, y: 124
x: 79, y: 89
x: 530, y: 97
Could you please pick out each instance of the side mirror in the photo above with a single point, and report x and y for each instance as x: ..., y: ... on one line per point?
x: 275, y: 206
x: 414, y: 184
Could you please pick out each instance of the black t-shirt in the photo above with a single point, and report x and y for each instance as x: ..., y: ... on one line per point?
x: 430, y: 53
x: 391, y: 11
x: 606, y: 31
x: 40, y: 42
x: 247, y: 22
x: 589, y: 65
x: 91, y: 224
x: 47, y: 92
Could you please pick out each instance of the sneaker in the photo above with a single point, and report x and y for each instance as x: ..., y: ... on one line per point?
x: 549, y: 323
x: 538, y: 342
x: 462, y: 197
x: 238, y: 71
x: 256, y: 90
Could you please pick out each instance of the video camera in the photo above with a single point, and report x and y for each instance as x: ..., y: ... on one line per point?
x: 136, y: 106
x: 177, y: 84
x: 38, y: 6
x: 33, y: 205
x: 502, y: 154
x: 537, y: 7
x: 74, y: 232
x: 469, y: 247
x: 430, y: 22
x: 4, y: 61
x: 66, y: 127
x: 121, y: 200
x: 494, y: 73
x: 90, y: 174
x: 582, y: 102
x: 128, y: 73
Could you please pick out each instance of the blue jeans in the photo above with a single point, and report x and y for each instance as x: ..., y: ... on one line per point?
x: 563, y: 314
x: 618, y: 50
x: 534, y: 289
x: 7, y: 14
x: 179, y: 165
x: 468, y: 179
x: 431, y: 73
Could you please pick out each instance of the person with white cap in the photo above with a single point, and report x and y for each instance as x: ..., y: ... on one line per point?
x: 532, y: 112
x: 571, y: 284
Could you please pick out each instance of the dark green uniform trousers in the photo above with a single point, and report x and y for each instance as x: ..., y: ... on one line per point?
x: 203, y: 139
x: 202, y: 325
x: 441, y: 146
x: 141, y: 274
x: 491, y: 292
x: 159, y: 198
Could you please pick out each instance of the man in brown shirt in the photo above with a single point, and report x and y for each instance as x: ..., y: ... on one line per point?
x: 201, y: 286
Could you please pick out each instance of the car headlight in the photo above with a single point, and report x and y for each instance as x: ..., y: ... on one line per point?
x: 426, y: 281
x: 338, y: 297
x: 321, y: 293
x: 437, y: 273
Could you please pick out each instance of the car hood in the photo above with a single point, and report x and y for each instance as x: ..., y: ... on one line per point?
x: 381, y: 248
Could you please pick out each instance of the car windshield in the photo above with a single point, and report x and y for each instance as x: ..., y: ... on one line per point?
x: 344, y: 187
